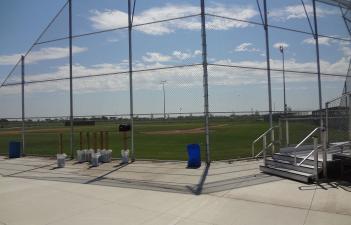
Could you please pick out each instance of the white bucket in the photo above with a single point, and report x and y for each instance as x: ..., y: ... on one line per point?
x: 106, y: 156
x: 61, y: 160
x: 88, y: 154
x: 95, y: 159
x: 125, y: 156
x: 103, y: 155
x: 81, y: 156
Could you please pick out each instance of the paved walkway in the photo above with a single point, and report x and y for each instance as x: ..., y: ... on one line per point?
x: 33, y: 191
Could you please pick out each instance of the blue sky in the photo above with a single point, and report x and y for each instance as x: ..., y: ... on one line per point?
x: 166, y: 44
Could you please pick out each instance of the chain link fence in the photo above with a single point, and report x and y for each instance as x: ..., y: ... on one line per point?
x: 155, y: 65
x: 338, y: 119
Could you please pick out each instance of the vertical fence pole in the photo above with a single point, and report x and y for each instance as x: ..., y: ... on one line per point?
x: 95, y: 142
x: 315, y: 157
x: 205, y: 80
x: 264, y: 145
x: 253, y: 150
x: 268, y: 63
x: 285, y: 105
x: 322, y: 133
x: 80, y: 140
x: 71, y: 78
x: 327, y: 122
x: 131, y: 79
x: 88, y: 140
x: 318, y: 59
x: 280, y: 130
x: 23, y: 109
x: 164, y: 99
x: 60, y: 143
x: 287, y: 132
x: 106, y: 141
x: 324, y: 152
x: 273, y: 141
x: 101, y: 140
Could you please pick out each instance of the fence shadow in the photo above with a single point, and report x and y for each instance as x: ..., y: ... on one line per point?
x: 146, y: 175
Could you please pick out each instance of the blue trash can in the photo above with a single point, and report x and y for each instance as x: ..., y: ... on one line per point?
x: 14, y: 149
x: 194, y: 157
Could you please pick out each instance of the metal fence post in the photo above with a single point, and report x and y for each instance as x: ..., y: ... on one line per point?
x: 327, y: 122
x: 268, y: 63
x: 315, y: 157
x: 264, y: 149
x: 71, y: 78
x: 131, y: 104
x: 273, y: 140
x: 287, y: 132
x: 205, y: 80
x: 280, y: 129
x: 23, y: 108
x: 318, y: 61
x: 253, y: 150
x: 324, y: 152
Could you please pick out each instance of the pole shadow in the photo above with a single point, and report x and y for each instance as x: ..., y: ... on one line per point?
x: 197, y: 190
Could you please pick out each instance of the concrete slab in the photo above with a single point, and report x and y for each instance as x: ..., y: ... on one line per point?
x: 332, y: 198
x: 323, y: 218
x: 284, y: 193
x: 163, y: 193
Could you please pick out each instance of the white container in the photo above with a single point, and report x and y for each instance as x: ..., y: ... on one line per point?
x: 125, y: 155
x: 95, y: 159
x: 109, y: 154
x: 85, y: 155
x: 61, y: 160
x: 81, y: 156
x: 104, y: 156
x: 88, y: 155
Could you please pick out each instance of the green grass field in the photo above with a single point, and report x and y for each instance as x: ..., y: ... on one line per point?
x: 156, y: 139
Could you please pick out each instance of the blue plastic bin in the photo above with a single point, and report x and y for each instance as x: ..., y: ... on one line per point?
x: 194, y: 157
x: 14, y: 149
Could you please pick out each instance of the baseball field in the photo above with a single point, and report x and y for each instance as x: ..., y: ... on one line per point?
x: 153, y: 139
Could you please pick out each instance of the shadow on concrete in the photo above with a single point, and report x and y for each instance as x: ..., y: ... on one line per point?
x: 327, y: 185
x: 156, y: 176
x: 118, y: 167
x: 197, y: 190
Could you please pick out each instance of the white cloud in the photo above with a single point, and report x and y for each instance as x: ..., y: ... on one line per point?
x: 156, y: 57
x: 109, y: 19
x: 321, y: 41
x: 346, y: 50
x: 297, y: 12
x: 344, y: 46
x: 42, y: 54
x: 246, y: 47
x: 113, y: 40
x: 197, y: 52
x: 278, y: 44
x: 181, y: 55
x: 10, y: 59
x: 52, y: 53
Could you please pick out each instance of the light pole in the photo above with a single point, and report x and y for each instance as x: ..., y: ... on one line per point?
x: 281, y: 48
x: 163, y: 82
